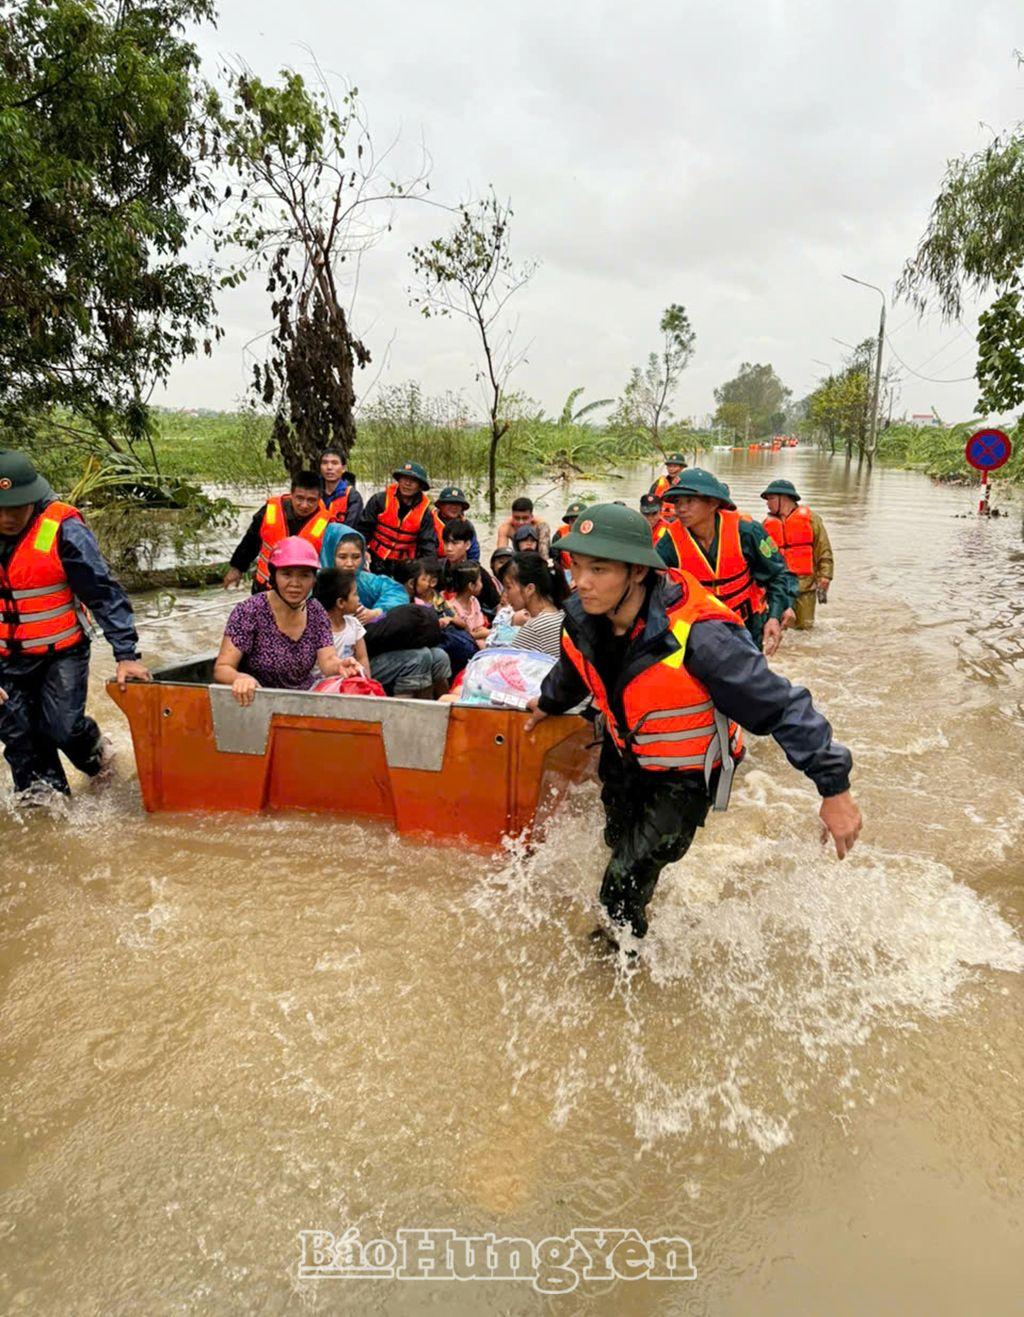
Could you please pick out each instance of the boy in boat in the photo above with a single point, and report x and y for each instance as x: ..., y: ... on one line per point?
x: 338, y: 491
x: 523, y: 515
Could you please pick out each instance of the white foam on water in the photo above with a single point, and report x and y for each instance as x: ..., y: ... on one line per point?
x: 773, y: 979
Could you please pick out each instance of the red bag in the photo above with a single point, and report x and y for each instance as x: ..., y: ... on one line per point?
x: 350, y: 686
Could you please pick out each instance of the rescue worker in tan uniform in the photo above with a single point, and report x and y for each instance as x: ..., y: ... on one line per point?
x: 804, y: 543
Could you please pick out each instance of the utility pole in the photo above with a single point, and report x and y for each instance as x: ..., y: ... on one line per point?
x: 873, y: 419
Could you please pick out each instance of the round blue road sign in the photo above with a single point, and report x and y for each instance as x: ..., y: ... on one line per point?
x: 987, y: 450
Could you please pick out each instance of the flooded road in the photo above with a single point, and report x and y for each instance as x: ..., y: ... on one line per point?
x: 221, y: 1031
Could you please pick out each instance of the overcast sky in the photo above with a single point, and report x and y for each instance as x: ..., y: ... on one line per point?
x: 736, y: 157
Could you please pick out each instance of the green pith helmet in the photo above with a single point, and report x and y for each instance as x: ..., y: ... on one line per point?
x: 573, y: 511
x: 702, y: 483
x: 451, y: 494
x: 782, y: 487
x: 675, y: 459
x: 20, y: 482
x: 612, y: 531
x: 412, y: 469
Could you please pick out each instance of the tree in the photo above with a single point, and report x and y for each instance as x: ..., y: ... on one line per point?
x: 470, y: 273
x: 643, y: 410
x: 101, y: 178
x: 838, y: 410
x: 571, y: 416
x: 312, y: 195
x: 752, y: 404
x: 974, y: 244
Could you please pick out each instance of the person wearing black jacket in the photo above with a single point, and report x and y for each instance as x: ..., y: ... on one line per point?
x: 676, y: 676
x: 51, y: 565
x: 299, y: 508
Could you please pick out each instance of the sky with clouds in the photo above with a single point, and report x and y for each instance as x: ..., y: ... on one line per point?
x: 732, y: 155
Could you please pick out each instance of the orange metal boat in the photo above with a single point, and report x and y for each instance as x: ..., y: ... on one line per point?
x: 439, y: 770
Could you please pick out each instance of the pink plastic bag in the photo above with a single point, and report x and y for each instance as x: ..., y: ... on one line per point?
x: 350, y: 686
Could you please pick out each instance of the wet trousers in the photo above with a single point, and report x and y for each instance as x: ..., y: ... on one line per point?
x: 650, y: 821
x: 806, y: 603
x: 45, y: 713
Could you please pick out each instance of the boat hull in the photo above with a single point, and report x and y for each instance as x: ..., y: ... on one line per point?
x: 436, y: 770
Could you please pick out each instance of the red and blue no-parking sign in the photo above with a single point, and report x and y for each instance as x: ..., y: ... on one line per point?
x: 988, y: 450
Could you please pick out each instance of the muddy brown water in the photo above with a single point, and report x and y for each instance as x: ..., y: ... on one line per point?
x: 221, y: 1031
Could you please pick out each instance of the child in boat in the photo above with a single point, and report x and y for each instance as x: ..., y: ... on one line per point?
x: 336, y: 591
x: 464, y: 599
x: 420, y: 576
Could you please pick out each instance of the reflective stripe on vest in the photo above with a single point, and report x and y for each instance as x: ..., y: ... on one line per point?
x: 275, y: 529
x: 663, y: 731
x: 38, y: 612
x: 395, y: 537
x: 795, y: 537
x: 729, y: 579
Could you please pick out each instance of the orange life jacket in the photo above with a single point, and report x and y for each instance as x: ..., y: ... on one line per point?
x: 338, y: 509
x: 38, y: 612
x: 275, y: 529
x: 560, y: 557
x: 671, y: 723
x: 729, y: 578
x: 660, y: 485
x: 439, y: 525
x: 395, y: 536
x: 795, y: 537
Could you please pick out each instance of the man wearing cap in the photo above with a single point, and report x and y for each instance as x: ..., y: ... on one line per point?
x: 50, y: 564
x: 804, y: 544
x: 298, y: 513
x: 676, y: 676
x: 732, y: 556
x: 338, y: 491
x: 398, y: 522
x: 568, y: 517
x: 451, y: 505
x: 650, y: 506
x: 674, y: 463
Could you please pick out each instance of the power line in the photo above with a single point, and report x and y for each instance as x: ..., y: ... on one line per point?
x: 928, y: 378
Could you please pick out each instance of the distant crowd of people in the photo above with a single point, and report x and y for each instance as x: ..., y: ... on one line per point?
x: 393, y: 589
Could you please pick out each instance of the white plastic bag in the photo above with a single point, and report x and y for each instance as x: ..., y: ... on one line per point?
x: 508, y: 678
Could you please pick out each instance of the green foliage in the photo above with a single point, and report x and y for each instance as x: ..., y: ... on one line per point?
x: 753, y: 404
x: 644, y: 410
x: 571, y: 417
x: 974, y: 244
x: 839, y: 409
x: 137, y: 513
x: 101, y: 139
x: 939, y: 450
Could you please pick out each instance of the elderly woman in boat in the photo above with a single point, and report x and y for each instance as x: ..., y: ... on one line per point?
x: 281, y: 638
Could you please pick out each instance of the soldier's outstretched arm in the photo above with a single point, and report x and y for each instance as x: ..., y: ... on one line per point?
x: 744, y: 687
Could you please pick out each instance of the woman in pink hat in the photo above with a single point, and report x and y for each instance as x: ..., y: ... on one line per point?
x: 281, y: 637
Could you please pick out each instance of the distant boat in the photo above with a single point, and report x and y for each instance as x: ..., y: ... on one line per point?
x: 436, y: 770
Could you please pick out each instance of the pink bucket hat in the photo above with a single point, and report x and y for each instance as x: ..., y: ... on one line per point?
x: 295, y: 552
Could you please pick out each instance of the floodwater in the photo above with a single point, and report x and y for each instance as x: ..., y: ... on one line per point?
x: 219, y: 1032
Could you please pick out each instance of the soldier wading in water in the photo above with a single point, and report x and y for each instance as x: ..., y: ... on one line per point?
x: 676, y: 676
